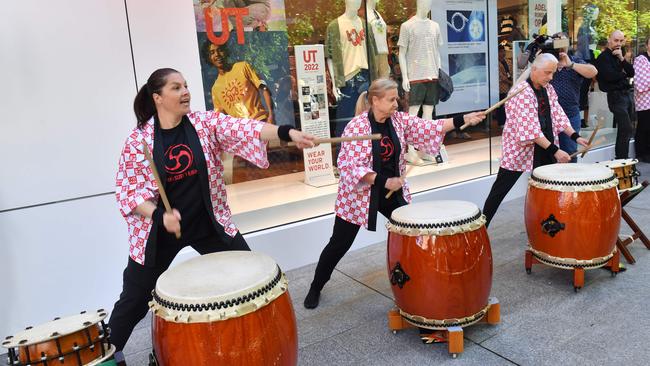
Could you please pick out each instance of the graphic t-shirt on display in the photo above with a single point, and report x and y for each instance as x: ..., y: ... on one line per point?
x: 182, y: 185
x: 353, y: 46
x: 378, y: 27
x: 236, y: 93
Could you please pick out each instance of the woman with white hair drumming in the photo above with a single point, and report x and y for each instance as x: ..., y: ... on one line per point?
x: 370, y: 169
x: 534, y: 119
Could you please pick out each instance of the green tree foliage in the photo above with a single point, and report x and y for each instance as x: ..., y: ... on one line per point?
x: 613, y: 14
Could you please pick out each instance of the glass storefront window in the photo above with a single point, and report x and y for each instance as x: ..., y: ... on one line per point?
x: 251, y: 67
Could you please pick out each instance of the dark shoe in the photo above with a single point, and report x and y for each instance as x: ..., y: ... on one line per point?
x: 312, y: 298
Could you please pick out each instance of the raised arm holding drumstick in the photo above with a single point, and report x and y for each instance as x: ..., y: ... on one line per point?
x: 530, y: 135
x: 185, y: 148
x: 371, y: 169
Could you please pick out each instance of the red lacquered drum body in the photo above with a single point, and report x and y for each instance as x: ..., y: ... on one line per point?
x: 74, y: 340
x: 573, y: 214
x: 255, y: 325
x: 440, y: 263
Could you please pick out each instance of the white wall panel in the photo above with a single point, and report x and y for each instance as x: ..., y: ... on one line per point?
x: 164, y: 35
x: 60, y: 259
x: 66, y: 97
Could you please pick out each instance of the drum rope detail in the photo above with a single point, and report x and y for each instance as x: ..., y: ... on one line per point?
x: 570, y: 263
x: 442, y: 228
x: 225, y: 309
x: 576, y: 186
x: 436, y: 324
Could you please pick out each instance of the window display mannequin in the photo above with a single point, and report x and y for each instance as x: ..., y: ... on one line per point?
x: 378, y: 42
x: 419, y: 61
x: 347, y: 61
x: 587, y: 34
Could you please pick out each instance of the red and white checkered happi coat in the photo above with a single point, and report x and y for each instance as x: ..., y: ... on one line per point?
x: 217, y: 133
x: 355, y: 160
x: 522, y: 127
x: 641, y: 83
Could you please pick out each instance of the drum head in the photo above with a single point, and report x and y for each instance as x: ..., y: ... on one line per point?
x: 217, y: 286
x: 435, y: 212
x: 217, y: 275
x: 54, y: 329
x: 572, y: 173
x: 617, y: 163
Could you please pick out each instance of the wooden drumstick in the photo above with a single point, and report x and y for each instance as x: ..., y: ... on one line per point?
x: 161, y: 189
x: 408, y: 170
x: 591, y: 138
x: 586, y: 149
x: 338, y: 140
x: 497, y: 105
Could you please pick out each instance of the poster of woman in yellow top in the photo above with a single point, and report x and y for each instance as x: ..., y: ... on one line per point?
x: 243, y: 47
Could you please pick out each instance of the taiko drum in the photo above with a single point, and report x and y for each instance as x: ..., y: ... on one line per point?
x: 573, y: 214
x: 228, y: 308
x: 439, y: 263
x: 77, y: 340
x: 626, y: 173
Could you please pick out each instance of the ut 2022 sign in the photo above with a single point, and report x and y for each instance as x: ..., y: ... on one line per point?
x: 311, y: 64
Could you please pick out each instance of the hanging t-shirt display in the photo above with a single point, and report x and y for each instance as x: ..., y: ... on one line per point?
x: 353, y: 45
x: 422, y: 39
x: 378, y: 27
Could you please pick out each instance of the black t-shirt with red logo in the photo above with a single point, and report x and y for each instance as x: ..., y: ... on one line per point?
x: 182, y: 185
x: 541, y: 156
x: 387, y: 151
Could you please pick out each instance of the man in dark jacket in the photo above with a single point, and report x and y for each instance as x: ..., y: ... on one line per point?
x: 614, y: 73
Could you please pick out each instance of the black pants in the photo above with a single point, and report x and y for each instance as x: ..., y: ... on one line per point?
x: 139, y: 281
x: 621, y: 105
x: 506, y: 179
x: 342, y: 238
x: 642, y: 137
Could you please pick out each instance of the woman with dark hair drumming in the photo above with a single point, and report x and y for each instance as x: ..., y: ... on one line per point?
x: 186, y: 147
x: 370, y: 169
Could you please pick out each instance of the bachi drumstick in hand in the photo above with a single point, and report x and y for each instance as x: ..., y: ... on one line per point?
x: 161, y: 189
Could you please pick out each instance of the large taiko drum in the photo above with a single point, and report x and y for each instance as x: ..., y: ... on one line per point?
x: 440, y: 263
x: 573, y: 215
x: 626, y: 172
x: 228, y: 308
x: 77, y: 340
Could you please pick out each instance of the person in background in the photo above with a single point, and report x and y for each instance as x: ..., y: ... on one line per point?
x: 567, y: 82
x: 505, y: 83
x: 614, y: 73
x: 642, y: 104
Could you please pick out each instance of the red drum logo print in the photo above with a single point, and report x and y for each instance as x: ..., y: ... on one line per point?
x: 178, y: 158
x: 387, y: 148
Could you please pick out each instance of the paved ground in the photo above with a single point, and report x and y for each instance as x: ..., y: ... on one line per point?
x: 543, y: 322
